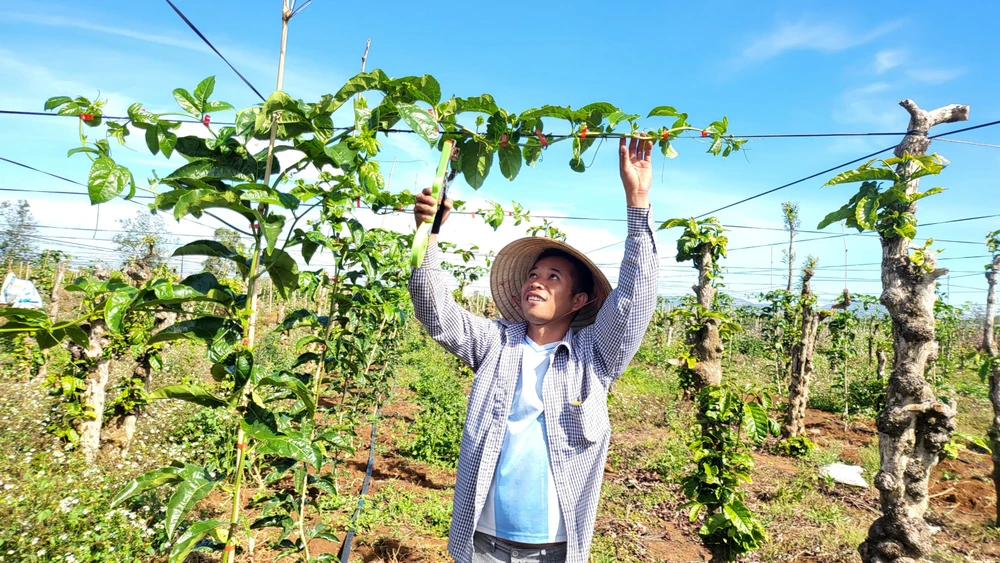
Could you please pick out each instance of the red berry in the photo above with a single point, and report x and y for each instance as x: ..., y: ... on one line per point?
x: 704, y: 133
x: 206, y: 120
x: 87, y: 116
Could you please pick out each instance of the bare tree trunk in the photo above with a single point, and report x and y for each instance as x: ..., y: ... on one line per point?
x: 882, y: 361
x: 990, y: 347
x: 915, y: 426
x: 707, y: 341
x: 121, y: 430
x: 802, y: 363
x: 871, y: 348
x: 53, y: 312
x: 93, y: 397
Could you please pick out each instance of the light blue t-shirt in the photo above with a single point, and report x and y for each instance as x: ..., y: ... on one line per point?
x: 522, y: 504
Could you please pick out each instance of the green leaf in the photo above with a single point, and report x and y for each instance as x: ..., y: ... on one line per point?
x: 117, y: 306
x: 420, y: 121
x: 54, y: 102
x: 195, y: 202
x: 152, y: 141
x: 146, y: 481
x: 195, y: 484
x: 838, y: 215
x: 217, y: 250
x: 202, y: 92
x: 190, y: 393
x: 211, y: 107
x: 106, y: 180
x: 510, y: 161
x: 77, y: 335
x: 576, y: 164
x: 694, y: 511
x: 866, y: 213
x: 293, y: 447
x: 739, y: 516
x: 863, y: 174
x: 283, y: 270
x: 24, y: 315
x: 191, y: 537
x: 280, y: 101
x: 268, y: 195
x: 342, y: 155
x: 187, y: 102
x: 291, y: 383
x: 668, y: 149
x: 532, y: 151
x: 477, y: 158
x: 663, y: 111
x: 757, y: 423
x: 922, y: 195
x: 272, y: 227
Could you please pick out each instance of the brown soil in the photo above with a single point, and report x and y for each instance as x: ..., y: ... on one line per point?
x: 961, y: 504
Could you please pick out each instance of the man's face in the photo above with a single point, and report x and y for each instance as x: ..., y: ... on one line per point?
x: 547, y: 294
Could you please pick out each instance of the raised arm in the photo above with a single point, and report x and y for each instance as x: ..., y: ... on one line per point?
x: 624, y: 317
x: 460, y: 332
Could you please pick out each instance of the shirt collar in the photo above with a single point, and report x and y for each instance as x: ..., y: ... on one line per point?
x: 519, y: 331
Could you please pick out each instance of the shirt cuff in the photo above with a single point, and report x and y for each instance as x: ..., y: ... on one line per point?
x: 640, y: 220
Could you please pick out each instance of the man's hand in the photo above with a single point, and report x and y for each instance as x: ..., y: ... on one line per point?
x: 425, y: 207
x: 636, y: 171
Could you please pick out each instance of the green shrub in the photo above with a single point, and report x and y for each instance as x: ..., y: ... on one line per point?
x: 796, y: 446
x: 437, y: 429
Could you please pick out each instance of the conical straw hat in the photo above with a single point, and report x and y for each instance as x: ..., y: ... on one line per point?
x: 510, y: 271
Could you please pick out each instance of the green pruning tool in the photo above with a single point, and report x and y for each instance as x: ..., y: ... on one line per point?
x: 439, y: 189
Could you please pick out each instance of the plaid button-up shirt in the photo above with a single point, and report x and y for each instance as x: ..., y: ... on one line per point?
x: 574, y: 393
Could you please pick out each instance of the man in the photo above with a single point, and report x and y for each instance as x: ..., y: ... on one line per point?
x: 537, y: 431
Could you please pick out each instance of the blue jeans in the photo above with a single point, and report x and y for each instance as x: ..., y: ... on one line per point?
x: 488, y: 549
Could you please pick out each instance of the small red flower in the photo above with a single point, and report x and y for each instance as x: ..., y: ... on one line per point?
x: 541, y: 138
x: 666, y: 134
x: 503, y: 140
x: 206, y: 120
x: 583, y: 132
x: 246, y: 341
x: 322, y: 347
x: 358, y: 202
x: 704, y: 133
x: 87, y: 116
x: 430, y: 111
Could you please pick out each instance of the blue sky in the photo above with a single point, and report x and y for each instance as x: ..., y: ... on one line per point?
x: 786, y: 67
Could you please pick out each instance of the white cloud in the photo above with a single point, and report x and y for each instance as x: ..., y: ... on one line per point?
x: 78, y: 23
x: 887, y: 59
x: 935, y: 76
x: 871, y: 108
x: 806, y: 35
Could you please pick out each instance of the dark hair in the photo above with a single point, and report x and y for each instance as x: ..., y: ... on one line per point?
x: 583, y: 278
